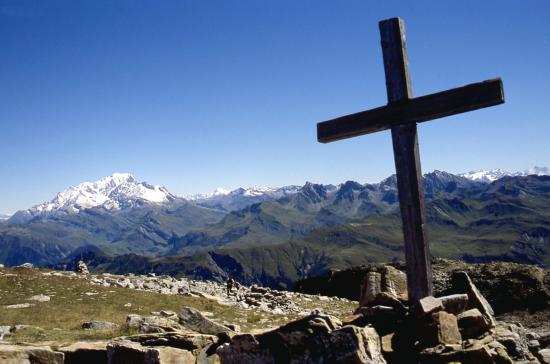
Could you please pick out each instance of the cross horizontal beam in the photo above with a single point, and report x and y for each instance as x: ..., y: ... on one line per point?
x: 415, y: 110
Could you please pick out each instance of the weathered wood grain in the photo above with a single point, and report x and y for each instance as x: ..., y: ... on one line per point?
x: 414, y: 110
x: 407, y: 163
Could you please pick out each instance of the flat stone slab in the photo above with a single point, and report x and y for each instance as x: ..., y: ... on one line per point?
x: 22, y: 354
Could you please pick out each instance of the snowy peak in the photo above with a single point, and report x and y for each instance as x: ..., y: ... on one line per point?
x: 494, y: 174
x: 251, y: 192
x: 115, y: 192
x: 239, y: 198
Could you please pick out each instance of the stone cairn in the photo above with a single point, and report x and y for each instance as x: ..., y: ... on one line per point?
x: 81, y: 268
x: 458, y: 328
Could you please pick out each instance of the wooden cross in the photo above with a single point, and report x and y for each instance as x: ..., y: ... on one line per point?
x: 401, y: 114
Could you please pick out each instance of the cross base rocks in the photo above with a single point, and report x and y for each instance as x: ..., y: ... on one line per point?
x: 457, y: 328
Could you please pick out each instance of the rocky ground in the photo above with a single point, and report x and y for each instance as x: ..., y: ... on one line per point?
x: 77, y: 317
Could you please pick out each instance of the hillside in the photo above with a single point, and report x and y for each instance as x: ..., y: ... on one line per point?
x: 68, y: 317
x: 307, y: 232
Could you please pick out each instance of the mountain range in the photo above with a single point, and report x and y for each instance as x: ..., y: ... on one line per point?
x: 276, y: 236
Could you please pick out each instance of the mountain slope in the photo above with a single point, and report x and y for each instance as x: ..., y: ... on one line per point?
x: 312, y: 207
x: 143, y: 229
x: 495, y: 174
x: 115, y: 192
x: 313, y: 229
x: 240, y: 198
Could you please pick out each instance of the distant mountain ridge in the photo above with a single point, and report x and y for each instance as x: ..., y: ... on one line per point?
x: 122, y: 190
x: 492, y: 175
x: 292, y: 233
x: 225, y: 200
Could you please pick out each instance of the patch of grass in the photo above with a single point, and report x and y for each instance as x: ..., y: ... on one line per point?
x: 74, y: 300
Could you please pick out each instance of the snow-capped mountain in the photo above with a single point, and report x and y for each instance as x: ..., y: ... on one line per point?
x: 122, y: 190
x: 115, y: 192
x: 219, y: 192
x: 494, y: 174
x: 241, y: 197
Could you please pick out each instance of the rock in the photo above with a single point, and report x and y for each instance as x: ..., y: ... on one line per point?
x: 514, y: 339
x: 128, y: 352
x: 508, y: 286
x: 85, y: 352
x: 352, y: 344
x: 544, y: 356
x: 394, y: 282
x: 428, y: 305
x: 384, y: 319
x: 477, y: 354
x: 133, y: 321
x: 153, y: 324
x: 385, y: 299
x: 19, y: 305
x: 168, y: 314
x: 472, y: 323
x: 25, y: 265
x: 195, y: 320
x: 81, y: 268
x: 99, y: 325
x: 4, y: 330
x: 455, y: 303
x: 306, y: 340
x: 21, y: 354
x: 441, y: 329
x: 544, y: 339
x: 502, y: 356
x: 208, y: 356
x: 370, y: 288
x: 316, y: 338
x: 387, y: 345
x: 39, y: 298
x: 188, y: 341
x: 461, y: 282
x: 2, y: 266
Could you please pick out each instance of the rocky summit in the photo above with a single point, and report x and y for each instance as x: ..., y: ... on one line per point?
x: 107, y: 318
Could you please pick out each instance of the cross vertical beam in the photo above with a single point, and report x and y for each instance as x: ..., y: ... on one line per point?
x: 407, y: 162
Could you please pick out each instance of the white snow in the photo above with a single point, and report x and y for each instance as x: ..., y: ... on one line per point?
x: 258, y: 191
x: 494, y: 174
x: 112, y: 193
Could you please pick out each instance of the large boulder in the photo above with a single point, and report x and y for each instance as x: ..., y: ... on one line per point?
x: 462, y: 283
x: 441, y: 329
x: 472, y: 323
x: 193, y: 319
x: 189, y: 341
x: 370, y: 288
x: 352, y: 344
x: 316, y: 338
x: 387, y: 281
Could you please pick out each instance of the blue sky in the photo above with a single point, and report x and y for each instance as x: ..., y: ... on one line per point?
x: 199, y: 94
